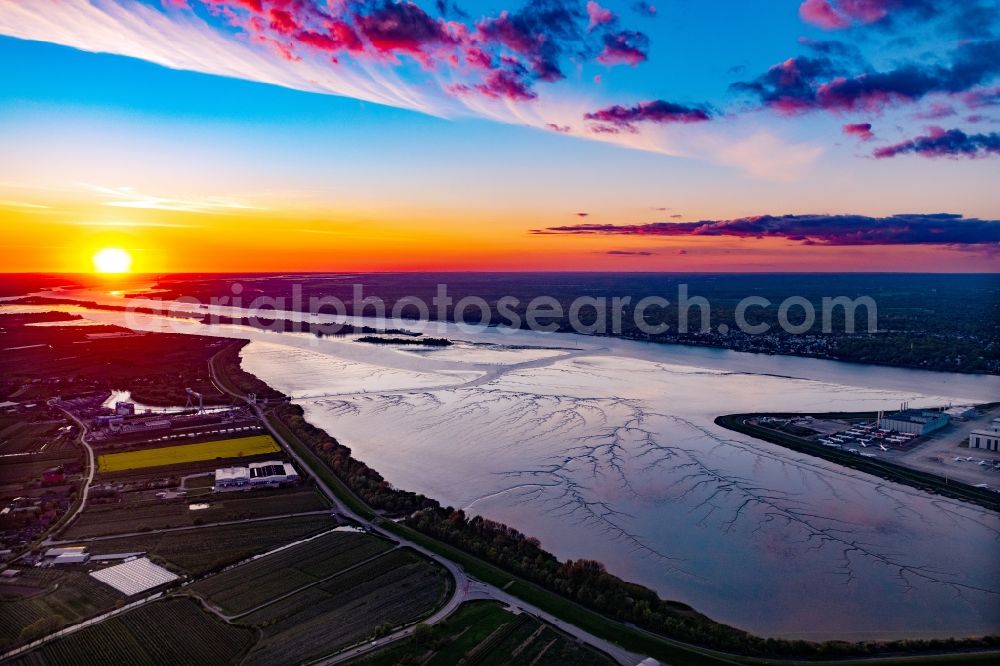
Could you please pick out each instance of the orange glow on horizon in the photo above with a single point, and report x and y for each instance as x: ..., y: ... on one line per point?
x: 87, y: 238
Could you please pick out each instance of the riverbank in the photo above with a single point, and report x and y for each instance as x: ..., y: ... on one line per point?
x: 367, y: 493
x: 889, y: 471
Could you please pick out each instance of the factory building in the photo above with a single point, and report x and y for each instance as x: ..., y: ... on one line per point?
x: 915, y: 421
x: 256, y: 475
x: 66, y: 555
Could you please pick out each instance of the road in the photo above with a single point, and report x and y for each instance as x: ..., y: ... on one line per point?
x: 466, y: 588
x: 91, y: 467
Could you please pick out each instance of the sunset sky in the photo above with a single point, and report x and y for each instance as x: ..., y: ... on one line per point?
x: 676, y: 135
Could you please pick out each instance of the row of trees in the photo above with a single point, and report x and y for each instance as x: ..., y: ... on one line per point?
x: 588, y: 583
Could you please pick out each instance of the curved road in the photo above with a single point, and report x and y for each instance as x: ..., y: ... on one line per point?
x: 91, y: 469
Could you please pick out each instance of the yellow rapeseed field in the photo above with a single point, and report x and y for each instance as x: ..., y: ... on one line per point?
x: 184, y: 453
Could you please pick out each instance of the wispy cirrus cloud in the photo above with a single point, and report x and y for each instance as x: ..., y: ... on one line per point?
x: 127, y: 197
x: 904, y: 229
x: 8, y: 203
x: 507, y: 66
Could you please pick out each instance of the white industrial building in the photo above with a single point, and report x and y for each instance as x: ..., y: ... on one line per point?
x: 256, y: 475
x: 66, y: 555
x: 961, y: 412
x: 915, y: 421
x: 988, y: 439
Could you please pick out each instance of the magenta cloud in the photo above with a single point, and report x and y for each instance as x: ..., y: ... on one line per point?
x: 862, y: 131
x: 905, y: 229
x: 598, y: 15
x: 837, y: 14
x: 625, y: 47
x: 939, y: 142
x: 508, y: 53
x: 820, y: 82
x: 617, y: 117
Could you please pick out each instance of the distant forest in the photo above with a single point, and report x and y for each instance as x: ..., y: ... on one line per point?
x: 930, y: 321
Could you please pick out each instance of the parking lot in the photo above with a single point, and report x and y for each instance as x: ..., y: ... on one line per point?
x: 940, y: 451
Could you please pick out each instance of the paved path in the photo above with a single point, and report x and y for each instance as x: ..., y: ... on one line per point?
x: 91, y: 466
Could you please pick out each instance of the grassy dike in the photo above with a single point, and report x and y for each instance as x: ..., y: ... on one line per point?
x: 926, y: 481
x: 634, y: 639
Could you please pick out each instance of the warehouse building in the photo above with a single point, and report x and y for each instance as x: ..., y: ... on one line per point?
x: 66, y: 555
x: 915, y: 421
x: 271, y: 473
x: 988, y: 439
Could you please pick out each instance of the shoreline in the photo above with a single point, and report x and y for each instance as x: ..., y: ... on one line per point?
x: 844, y: 651
x: 206, y: 317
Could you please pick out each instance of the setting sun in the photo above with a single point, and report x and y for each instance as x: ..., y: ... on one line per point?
x: 112, y: 260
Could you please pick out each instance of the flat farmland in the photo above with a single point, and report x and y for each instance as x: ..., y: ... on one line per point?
x: 165, y: 632
x: 249, y: 585
x: 18, y: 470
x: 397, y: 588
x: 140, y: 516
x: 175, y: 471
x: 47, y: 599
x: 484, y: 633
x: 240, y: 447
x: 201, y: 550
x: 20, y: 436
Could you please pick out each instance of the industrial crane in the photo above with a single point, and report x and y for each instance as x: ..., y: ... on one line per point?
x: 194, y: 394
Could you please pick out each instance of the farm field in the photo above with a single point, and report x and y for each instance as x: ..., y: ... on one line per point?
x: 140, y: 516
x: 171, y: 455
x: 147, y: 635
x: 42, y: 600
x: 21, y: 436
x: 484, y: 633
x: 398, y: 588
x: 175, y: 471
x: 249, y: 585
x: 19, y: 470
x: 198, y: 551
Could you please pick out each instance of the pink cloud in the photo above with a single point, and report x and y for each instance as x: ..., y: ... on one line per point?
x: 625, y: 47
x: 862, y: 131
x: 598, y: 15
x: 839, y: 14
